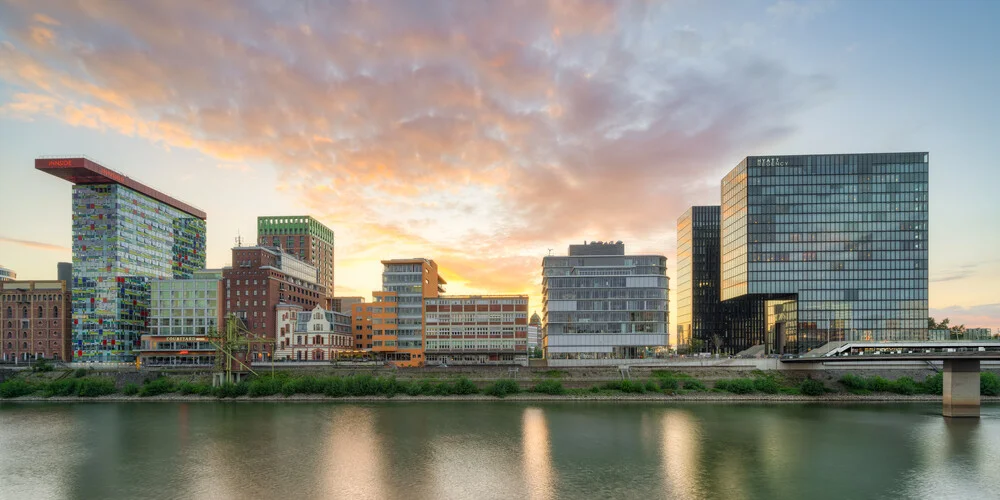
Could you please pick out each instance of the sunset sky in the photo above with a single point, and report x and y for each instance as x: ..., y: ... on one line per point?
x: 483, y: 134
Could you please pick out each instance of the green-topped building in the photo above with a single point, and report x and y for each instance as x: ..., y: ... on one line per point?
x: 303, y: 237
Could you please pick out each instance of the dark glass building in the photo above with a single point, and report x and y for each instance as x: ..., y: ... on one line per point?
x: 704, y: 321
x: 834, y: 245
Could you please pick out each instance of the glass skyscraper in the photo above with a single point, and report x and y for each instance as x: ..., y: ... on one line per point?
x: 124, y: 233
x: 834, y: 246
x: 600, y: 304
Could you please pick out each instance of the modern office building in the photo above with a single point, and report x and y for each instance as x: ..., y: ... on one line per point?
x: 834, y: 246
x: 34, y: 320
x: 64, y: 272
x: 259, y: 280
x: 407, y: 283
x: 316, y: 335
x: 305, y: 238
x: 476, y: 330
x: 7, y: 274
x: 704, y: 322
x: 601, y: 306
x: 183, y: 315
x: 534, y: 333
x: 124, y: 234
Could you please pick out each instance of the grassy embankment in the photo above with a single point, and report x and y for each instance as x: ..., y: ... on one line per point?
x: 663, y: 382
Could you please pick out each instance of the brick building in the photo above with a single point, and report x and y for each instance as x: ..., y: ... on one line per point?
x: 35, y: 320
x: 262, y: 278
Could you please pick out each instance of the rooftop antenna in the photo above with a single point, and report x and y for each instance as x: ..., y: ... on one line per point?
x: 239, y: 239
x: 550, y: 251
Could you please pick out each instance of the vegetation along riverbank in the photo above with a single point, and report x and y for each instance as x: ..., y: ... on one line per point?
x: 660, y: 384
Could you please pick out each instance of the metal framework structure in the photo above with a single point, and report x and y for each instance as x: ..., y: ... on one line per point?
x: 233, y: 355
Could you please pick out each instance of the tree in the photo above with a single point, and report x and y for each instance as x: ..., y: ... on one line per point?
x: 931, y: 324
x: 717, y: 342
x: 697, y: 345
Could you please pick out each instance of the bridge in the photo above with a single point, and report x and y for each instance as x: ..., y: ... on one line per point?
x: 961, y: 364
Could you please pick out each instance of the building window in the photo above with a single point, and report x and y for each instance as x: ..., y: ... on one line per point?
x: 55, y: 311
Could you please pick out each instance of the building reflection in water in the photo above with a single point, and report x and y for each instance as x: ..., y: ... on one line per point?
x: 680, y: 443
x: 537, y: 455
x: 354, y: 463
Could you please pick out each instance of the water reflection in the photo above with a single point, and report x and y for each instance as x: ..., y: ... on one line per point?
x: 354, y: 466
x: 679, y: 449
x: 537, y: 459
x: 548, y: 451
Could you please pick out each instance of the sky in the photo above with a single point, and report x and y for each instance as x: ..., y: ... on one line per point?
x: 485, y: 134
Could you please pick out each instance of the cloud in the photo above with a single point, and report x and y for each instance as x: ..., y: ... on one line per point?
x: 800, y: 10
x: 504, y: 127
x: 37, y: 245
x: 983, y: 315
x: 961, y: 271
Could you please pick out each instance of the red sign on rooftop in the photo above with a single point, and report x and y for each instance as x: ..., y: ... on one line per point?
x: 85, y: 171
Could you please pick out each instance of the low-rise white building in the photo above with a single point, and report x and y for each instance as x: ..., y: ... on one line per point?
x: 316, y: 335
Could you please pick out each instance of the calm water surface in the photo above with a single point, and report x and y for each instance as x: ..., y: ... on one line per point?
x: 459, y: 450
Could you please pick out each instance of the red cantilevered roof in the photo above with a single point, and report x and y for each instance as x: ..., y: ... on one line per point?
x: 84, y: 171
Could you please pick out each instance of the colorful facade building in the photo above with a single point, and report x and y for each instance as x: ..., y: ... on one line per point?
x: 183, y: 315
x: 316, y: 335
x: 305, y: 238
x: 258, y: 281
x: 476, y: 330
x: 124, y: 234
x: 7, y: 274
x: 408, y: 282
x: 34, y: 320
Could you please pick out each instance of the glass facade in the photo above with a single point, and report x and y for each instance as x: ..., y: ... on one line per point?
x: 122, y: 239
x: 844, y: 237
x: 604, y: 306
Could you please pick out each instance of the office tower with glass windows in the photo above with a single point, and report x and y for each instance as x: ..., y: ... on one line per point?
x: 124, y: 234
x: 476, y: 330
x: 601, y: 306
x: 399, y: 335
x: 304, y: 237
x: 834, y: 245
x: 183, y: 315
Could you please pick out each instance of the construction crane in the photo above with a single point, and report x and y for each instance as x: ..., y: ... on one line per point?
x: 233, y: 350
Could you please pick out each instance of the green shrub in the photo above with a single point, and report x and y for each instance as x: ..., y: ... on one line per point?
x: 904, y: 385
x: 502, y: 387
x: 668, y: 384
x: 652, y: 386
x: 879, y: 384
x: 264, y: 386
x: 465, y: 386
x: 553, y: 373
x: 811, y: 387
x: 42, y: 365
x: 613, y: 385
x: 933, y: 384
x: 91, y: 387
x: 694, y: 385
x: 552, y: 387
x: 989, y: 384
x: 155, y: 387
x: 230, y: 390
x: 767, y: 385
x: 63, y: 388
x: 80, y: 372
x: 130, y: 389
x: 854, y: 383
x: 335, y: 387
x: 15, y: 388
x: 736, y: 385
x: 412, y: 389
x: 633, y: 387
x: 194, y: 388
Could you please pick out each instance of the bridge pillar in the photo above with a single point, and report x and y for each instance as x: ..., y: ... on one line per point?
x: 961, y: 388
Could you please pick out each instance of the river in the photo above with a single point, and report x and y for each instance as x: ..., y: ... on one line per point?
x: 484, y: 450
